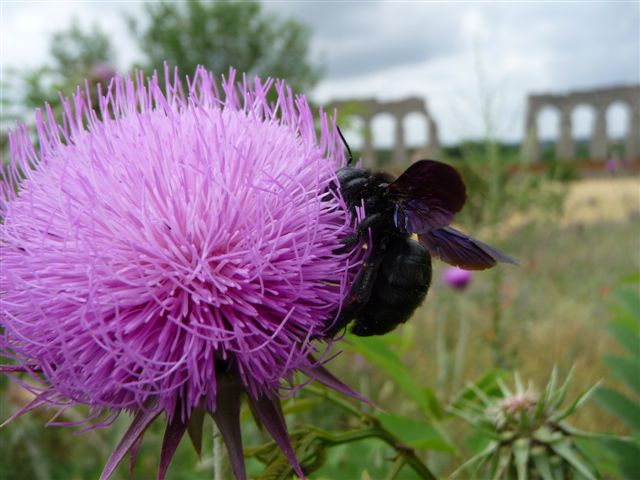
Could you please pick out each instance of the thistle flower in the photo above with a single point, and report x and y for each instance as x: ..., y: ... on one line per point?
x: 528, y: 432
x: 172, y: 253
x: 457, y: 278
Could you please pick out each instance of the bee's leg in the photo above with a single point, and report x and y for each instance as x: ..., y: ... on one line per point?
x: 360, y: 291
x: 350, y: 241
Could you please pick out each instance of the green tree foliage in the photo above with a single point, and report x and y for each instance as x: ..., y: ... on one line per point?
x: 75, y: 54
x: 225, y: 33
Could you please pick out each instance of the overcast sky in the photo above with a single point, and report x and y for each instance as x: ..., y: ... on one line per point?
x: 455, y: 54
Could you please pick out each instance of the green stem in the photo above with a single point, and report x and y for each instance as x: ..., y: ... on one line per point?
x: 397, y: 466
x: 376, y: 430
x: 496, y: 319
x: 461, y: 346
x: 218, y: 455
x: 441, y: 352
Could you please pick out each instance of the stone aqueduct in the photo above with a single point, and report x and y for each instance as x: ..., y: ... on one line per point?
x: 367, y: 109
x: 600, y: 100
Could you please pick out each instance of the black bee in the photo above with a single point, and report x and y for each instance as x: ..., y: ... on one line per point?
x: 396, y: 274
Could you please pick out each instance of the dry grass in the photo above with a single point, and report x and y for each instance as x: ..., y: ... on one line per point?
x: 597, y: 199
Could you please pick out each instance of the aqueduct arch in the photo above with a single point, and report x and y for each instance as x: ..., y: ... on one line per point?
x: 367, y: 109
x: 600, y: 100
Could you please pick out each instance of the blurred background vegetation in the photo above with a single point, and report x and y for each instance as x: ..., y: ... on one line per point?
x: 573, y: 303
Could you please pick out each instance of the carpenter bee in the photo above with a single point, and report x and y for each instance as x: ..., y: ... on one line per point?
x: 396, y: 274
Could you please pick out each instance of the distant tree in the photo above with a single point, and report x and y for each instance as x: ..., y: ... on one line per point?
x: 75, y: 55
x: 225, y: 33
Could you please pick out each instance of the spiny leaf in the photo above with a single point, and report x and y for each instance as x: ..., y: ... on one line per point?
x: 268, y: 409
x: 325, y: 377
x: 625, y: 369
x: 562, y: 391
x: 524, y: 422
x: 487, y: 384
x: 551, y: 384
x: 545, y: 435
x: 477, y: 460
x: 565, y: 450
x: 628, y: 454
x: 541, y: 462
x: 627, y: 336
x: 540, y: 409
x: 172, y: 436
x: 577, y: 403
x: 619, y: 405
x: 227, y: 418
x: 133, y: 455
x: 33, y: 404
x: 631, y: 278
x: 518, y: 381
x: 629, y: 300
x: 504, y: 388
x: 194, y: 428
x: 521, y: 456
x: 480, y: 394
x: 503, y: 463
x: 557, y: 467
x: 141, y: 421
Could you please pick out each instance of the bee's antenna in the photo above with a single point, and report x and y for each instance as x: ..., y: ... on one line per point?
x: 350, y: 160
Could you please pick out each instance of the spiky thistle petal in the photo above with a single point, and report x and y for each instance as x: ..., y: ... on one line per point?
x: 171, y: 239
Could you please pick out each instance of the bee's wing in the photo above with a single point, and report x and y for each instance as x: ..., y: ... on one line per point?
x: 427, y: 196
x: 456, y: 248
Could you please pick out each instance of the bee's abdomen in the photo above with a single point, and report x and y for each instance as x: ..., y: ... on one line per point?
x: 400, y: 287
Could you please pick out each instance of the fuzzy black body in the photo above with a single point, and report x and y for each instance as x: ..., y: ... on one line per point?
x: 397, y: 272
x: 401, y: 285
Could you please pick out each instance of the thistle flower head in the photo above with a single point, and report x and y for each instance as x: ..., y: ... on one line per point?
x: 508, y: 411
x: 173, y: 250
x: 527, y: 431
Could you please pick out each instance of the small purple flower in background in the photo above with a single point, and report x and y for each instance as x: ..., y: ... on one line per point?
x: 173, y: 253
x: 612, y: 165
x: 457, y: 278
x: 102, y: 73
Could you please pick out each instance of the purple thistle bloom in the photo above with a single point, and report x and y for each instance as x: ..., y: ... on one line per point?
x: 612, y: 165
x: 172, y: 253
x: 457, y: 278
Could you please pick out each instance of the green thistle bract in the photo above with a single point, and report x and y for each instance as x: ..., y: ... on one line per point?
x: 529, y: 437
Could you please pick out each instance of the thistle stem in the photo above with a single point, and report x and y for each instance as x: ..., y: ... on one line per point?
x: 441, y: 352
x: 376, y: 430
x: 397, y: 466
x: 218, y: 454
x: 461, y: 347
x: 373, y: 429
